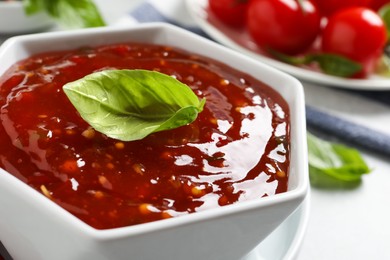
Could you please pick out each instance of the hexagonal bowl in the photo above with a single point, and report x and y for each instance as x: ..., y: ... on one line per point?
x: 33, y: 227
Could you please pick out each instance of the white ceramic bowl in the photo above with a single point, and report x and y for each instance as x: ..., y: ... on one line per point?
x: 33, y: 227
x: 13, y: 19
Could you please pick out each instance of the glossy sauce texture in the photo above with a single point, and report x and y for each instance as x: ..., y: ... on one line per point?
x: 237, y: 149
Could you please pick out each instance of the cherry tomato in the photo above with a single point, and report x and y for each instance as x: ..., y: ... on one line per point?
x: 283, y: 25
x: 329, y: 7
x: 377, y: 4
x: 230, y: 12
x: 357, y: 33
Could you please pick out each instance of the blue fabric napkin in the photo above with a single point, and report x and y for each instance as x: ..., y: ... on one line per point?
x: 354, y: 134
x: 317, y: 120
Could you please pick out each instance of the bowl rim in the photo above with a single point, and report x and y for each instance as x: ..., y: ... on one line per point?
x: 299, y: 192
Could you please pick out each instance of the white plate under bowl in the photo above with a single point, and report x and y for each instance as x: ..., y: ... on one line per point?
x: 240, y: 40
x: 284, y: 242
x: 13, y: 19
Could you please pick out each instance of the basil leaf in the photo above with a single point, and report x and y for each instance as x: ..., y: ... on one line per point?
x: 335, y: 65
x: 294, y: 60
x: 131, y: 104
x: 331, y: 64
x: 383, y: 67
x: 384, y: 13
x: 33, y: 6
x: 70, y: 13
x: 330, y: 161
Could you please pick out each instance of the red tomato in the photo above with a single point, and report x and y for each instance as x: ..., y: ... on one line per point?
x: 329, y: 7
x: 377, y: 4
x: 357, y: 33
x: 230, y: 12
x: 282, y: 25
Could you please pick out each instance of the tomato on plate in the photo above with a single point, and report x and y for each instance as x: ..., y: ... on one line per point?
x: 356, y: 33
x: 283, y: 25
x: 230, y: 12
x: 329, y: 7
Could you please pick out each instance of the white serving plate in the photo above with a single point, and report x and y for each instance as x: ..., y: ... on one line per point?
x: 33, y: 227
x: 285, y: 242
x: 240, y: 40
x: 13, y: 19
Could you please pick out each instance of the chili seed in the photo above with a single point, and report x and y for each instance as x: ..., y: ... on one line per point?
x: 45, y: 191
x: 104, y: 182
x: 70, y: 132
x: 139, y: 168
x: 197, y: 191
x: 99, y: 194
x: 166, y: 215
x: 95, y: 165
x: 166, y: 155
x: 224, y: 82
x: 119, y: 145
x: 214, y: 121
x: 69, y: 166
x: 144, y: 208
x: 89, y: 133
x: 281, y: 174
x: 110, y: 166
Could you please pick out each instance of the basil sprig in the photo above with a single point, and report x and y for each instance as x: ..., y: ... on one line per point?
x: 333, y: 164
x: 331, y: 64
x: 384, y: 13
x: 70, y: 13
x: 383, y: 67
x: 130, y: 104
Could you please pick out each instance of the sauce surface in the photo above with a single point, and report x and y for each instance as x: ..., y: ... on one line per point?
x: 237, y: 149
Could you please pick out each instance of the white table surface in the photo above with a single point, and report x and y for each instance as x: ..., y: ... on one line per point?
x: 344, y: 224
x: 351, y: 224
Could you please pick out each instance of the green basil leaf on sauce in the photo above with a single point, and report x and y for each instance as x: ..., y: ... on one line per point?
x: 70, y: 13
x: 331, y: 162
x: 131, y: 104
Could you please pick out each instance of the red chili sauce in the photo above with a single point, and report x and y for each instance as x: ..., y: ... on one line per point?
x: 237, y: 149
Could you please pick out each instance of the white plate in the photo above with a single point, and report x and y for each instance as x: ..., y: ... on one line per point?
x: 239, y: 40
x: 13, y: 19
x: 284, y: 242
